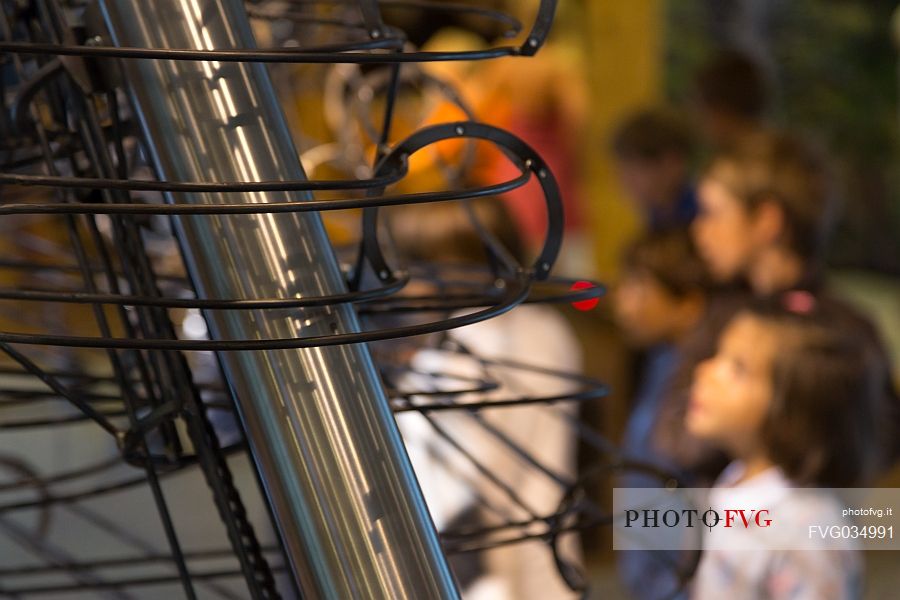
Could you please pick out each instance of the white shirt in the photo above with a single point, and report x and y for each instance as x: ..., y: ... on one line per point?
x: 748, y: 568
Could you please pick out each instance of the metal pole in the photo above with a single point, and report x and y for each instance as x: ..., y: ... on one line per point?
x: 333, y: 466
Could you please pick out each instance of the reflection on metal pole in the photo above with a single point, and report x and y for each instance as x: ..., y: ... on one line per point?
x: 333, y: 466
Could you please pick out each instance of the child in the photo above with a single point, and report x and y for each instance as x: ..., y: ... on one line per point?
x: 653, y: 151
x: 659, y: 303
x: 765, y: 214
x: 795, y: 399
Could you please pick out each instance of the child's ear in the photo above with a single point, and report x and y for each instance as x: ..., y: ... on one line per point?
x: 769, y: 221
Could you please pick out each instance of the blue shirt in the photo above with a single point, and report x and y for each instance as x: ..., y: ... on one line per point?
x: 649, y: 574
x: 637, y: 443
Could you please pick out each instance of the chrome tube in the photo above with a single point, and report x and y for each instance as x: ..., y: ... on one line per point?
x: 341, y: 487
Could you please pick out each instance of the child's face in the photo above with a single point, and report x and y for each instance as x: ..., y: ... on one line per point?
x: 644, y: 309
x: 723, y: 231
x: 732, y: 391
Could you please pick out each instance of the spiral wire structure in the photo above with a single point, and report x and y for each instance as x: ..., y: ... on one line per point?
x: 71, y: 156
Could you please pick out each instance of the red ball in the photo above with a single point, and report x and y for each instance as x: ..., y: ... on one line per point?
x: 584, y: 305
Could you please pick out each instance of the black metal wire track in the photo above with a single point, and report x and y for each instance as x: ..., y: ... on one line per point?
x: 353, y: 52
x: 242, y: 208
x: 514, y: 26
x: 516, y: 288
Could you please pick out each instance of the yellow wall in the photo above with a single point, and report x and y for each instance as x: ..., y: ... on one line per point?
x: 624, y: 70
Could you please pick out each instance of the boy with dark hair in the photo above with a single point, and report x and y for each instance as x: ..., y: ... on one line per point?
x: 653, y: 150
x: 661, y: 299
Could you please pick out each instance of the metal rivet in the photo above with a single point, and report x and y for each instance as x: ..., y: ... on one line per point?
x: 383, y: 274
x: 460, y: 130
x: 375, y: 34
x: 533, y: 42
x: 542, y: 173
